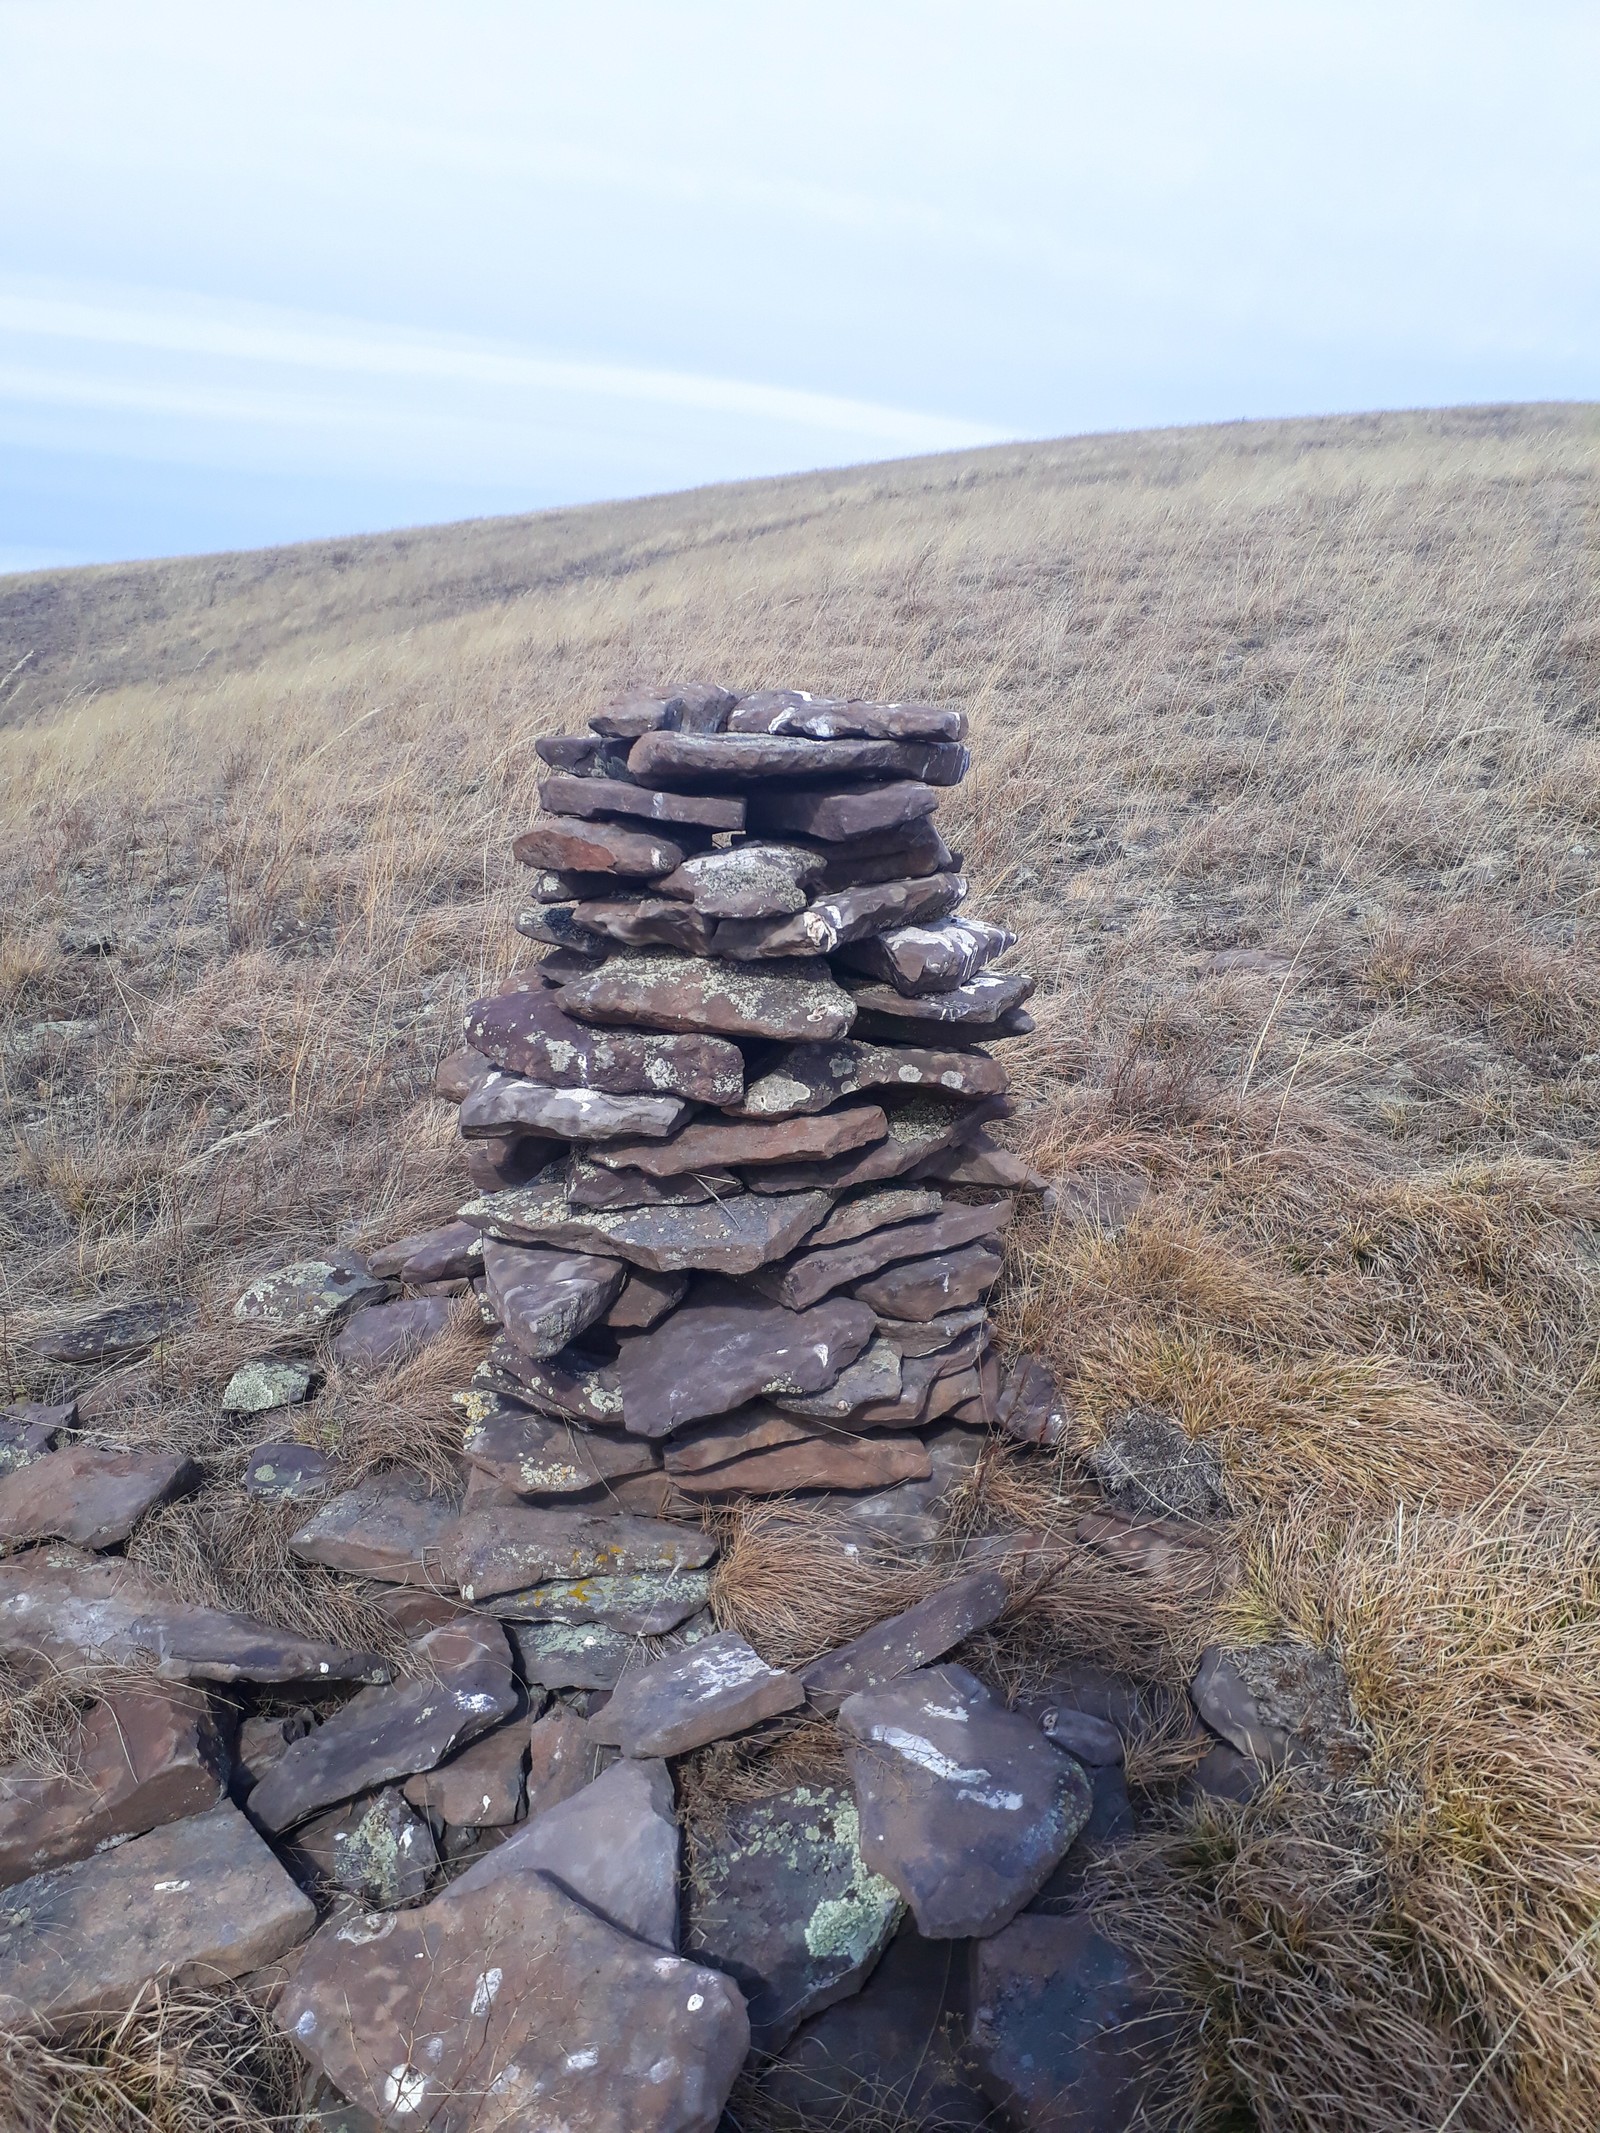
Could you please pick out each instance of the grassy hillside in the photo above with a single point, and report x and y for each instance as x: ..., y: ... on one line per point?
x: 1327, y: 692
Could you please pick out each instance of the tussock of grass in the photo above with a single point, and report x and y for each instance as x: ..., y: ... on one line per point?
x: 41, y: 1712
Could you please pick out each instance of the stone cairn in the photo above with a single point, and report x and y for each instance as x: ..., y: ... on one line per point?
x: 737, y: 1218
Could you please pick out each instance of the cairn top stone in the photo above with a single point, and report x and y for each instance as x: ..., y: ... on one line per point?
x: 713, y: 762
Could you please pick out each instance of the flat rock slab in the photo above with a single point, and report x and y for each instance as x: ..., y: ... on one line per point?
x: 874, y: 1376
x: 844, y: 718
x: 308, y: 1296
x: 733, y: 1234
x: 660, y: 990
x: 724, y: 1347
x: 543, y: 1298
x: 907, y: 848
x: 780, y: 1898
x: 922, y: 1127
x: 984, y: 998
x: 648, y: 1603
x: 925, y: 1288
x: 510, y: 1103
x: 448, y: 1253
x: 255, y: 1388
x: 709, y: 762
x: 592, y: 797
x: 965, y: 1806
x: 286, y: 1472
x: 601, y: 848
x: 750, y: 881
x: 647, y: 922
x: 195, y: 1902
x: 538, y: 1456
x: 480, y: 1787
x: 850, y: 811
x: 380, y: 1336
x: 560, y: 1754
x: 110, y: 1336
x: 869, y: 1211
x: 388, y: 1526
x: 683, y: 706
x: 1068, y: 2033
x: 907, y: 1642
x: 507, y: 1549
x: 921, y: 958
x: 809, y: 1077
x: 508, y: 2004
x: 579, y: 1387
x: 645, y: 1298
x: 613, y: 1845
x: 559, y: 926
x: 716, y: 1687
x: 592, y: 1185
x: 141, y: 1759
x: 816, y: 1273
x: 586, y: 1655
x: 392, y: 1732
x: 823, y: 1461
x: 90, y: 1497
x: 527, y: 1031
x: 61, y: 1610
x: 379, y: 1851
x: 733, y: 1143
x: 757, y: 1428
x: 840, y: 917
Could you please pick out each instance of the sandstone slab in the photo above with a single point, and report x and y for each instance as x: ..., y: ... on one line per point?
x: 921, y: 1127
x: 923, y: 1288
x: 965, y: 1806
x: 841, y: 916
x: 113, y: 1336
x: 684, y: 706
x: 528, y: 1032
x: 916, y: 957
x: 825, y: 1460
x: 194, y: 1902
x: 582, y: 1388
x: 380, y: 1336
x: 647, y: 1603
x: 599, y: 797
x: 913, y: 846
x: 812, y: 1274
x: 142, y: 1758
x: 392, y: 1732
x: 508, y: 2004
x: 875, y: 1375
x: 90, y: 1497
x: 735, y: 1143
x: 780, y: 1898
x: 750, y: 881
x: 809, y: 1077
x: 795, y: 1000
x: 497, y: 1551
x: 286, y: 1472
x: 257, y: 1387
x: 714, y: 762
x: 729, y: 1235
x: 907, y: 1642
x: 648, y: 922
x: 835, y: 815
x: 704, y: 1445
x: 1029, y: 1407
x: 479, y: 1787
x: 714, y: 1688
x: 537, y: 1456
x: 645, y: 1298
x: 593, y: 1185
x: 379, y: 1851
x: 613, y: 1845
x: 309, y: 1296
x: 827, y: 718
x: 560, y: 1753
x: 585, y: 1655
x: 448, y: 1253
x: 725, y: 1346
x: 508, y: 1103
x: 983, y: 999
x: 458, y: 1074
x: 870, y: 1211
x: 61, y: 1610
x: 601, y: 848
x: 559, y: 926
x: 544, y: 1299
x: 389, y: 1526
x: 498, y: 1162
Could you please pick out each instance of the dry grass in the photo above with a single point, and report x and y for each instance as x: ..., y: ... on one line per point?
x: 1325, y: 691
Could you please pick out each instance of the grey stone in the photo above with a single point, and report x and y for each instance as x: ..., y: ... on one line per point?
x: 308, y: 1297
x: 378, y: 1851
x: 657, y: 989
x: 813, y: 1274
x: 508, y: 1103
x: 504, y: 1550
x: 581, y: 1388
x: 29, y: 1429
x: 844, y: 718
x: 648, y: 1603
x: 536, y: 1456
x: 724, y: 1346
x: 261, y: 1385
x: 451, y: 1252
x: 389, y: 1526
x: 874, y: 1375
x: 384, y: 1733
x: 288, y: 1473
x: 586, y: 1655
x: 714, y: 1688
x: 110, y: 1336
x: 544, y: 1299
x: 750, y: 881
x: 914, y: 1514
x: 930, y: 1336
x: 526, y: 1030
x: 1277, y: 1703
x: 602, y: 848
x: 193, y: 1902
x: 840, y: 917
x: 613, y: 1845
x: 90, y: 1497
x: 779, y: 1897
x: 983, y: 999
x: 508, y: 2004
x: 924, y: 1288
x: 833, y: 816
x: 712, y: 762
x: 737, y: 1143
x: 62, y: 1610
x: 559, y: 926
x: 907, y: 1641
x: 965, y: 1806
x: 1029, y: 1407
x: 1147, y: 1463
x: 380, y: 1336
x: 591, y: 797
x: 917, y: 957
x: 731, y: 1235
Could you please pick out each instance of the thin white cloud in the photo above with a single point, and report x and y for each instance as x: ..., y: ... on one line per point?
x: 308, y: 341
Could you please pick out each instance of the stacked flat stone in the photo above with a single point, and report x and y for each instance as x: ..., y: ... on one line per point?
x: 719, y: 1119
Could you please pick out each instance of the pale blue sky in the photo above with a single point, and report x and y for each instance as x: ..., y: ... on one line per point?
x: 288, y: 270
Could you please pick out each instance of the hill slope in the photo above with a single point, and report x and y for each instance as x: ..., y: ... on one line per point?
x: 1287, y: 771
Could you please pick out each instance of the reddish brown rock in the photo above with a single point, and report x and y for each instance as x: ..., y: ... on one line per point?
x: 645, y: 1299
x: 559, y: 927
x: 443, y: 1254
x: 388, y: 1526
x: 756, y: 1428
x: 527, y: 1031
x: 506, y: 2003
x: 874, y: 1376
x: 463, y: 1687
x: 813, y: 1274
x: 809, y: 1077
x: 828, y: 718
x: 568, y: 752
x: 592, y: 797
x: 922, y: 1127
x: 1029, y: 1407
x: 871, y: 1211
x: 733, y: 1235
x: 714, y: 1688
x: 508, y: 1103
x: 895, y: 854
x: 559, y: 1754
x: 923, y: 1288
x: 90, y: 1497
x: 918, y: 958
x: 907, y: 1641
x: 601, y: 848
x: 820, y: 1461
x: 194, y: 1902
x: 685, y: 706
x: 480, y: 1787
x: 536, y: 1456
x: 840, y: 917
x: 506, y: 1550
x: 29, y: 1429
x: 583, y: 1388
x: 141, y: 1759
x: 287, y: 1472
x: 797, y: 1000
x: 500, y: 1161
x: 749, y: 881
x: 714, y: 762
x: 379, y: 1336
x: 732, y: 1143
x: 458, y: 1074
x: 544, y: 1299
x: 982, y: 1000
x: 648, y: 922
x: 849, y: 812
x: 61, y: 1610
x: 379, y: 1851
x: 725, y: 1346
